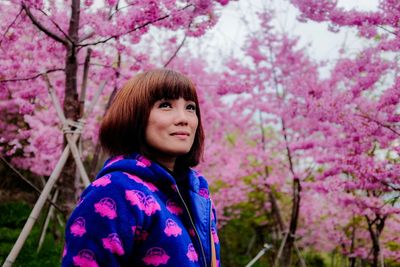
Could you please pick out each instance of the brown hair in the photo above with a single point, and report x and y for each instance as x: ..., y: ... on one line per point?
x: 122, y: 130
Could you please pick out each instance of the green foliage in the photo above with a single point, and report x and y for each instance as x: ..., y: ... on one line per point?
x: 14, y: 215
x: 240, y: 242
x: 393, y: 246
x: 392, y: 263
x: 242, y: 239
x: 12, y: 219
x: 231, y: 138
x: 314, y: 259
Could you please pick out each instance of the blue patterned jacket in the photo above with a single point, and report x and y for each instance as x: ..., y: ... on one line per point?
x: 134, y: 214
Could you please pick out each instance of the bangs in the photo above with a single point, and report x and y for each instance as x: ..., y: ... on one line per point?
x: 168, y: 84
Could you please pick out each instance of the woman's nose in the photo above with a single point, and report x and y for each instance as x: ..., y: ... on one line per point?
x: 181, y: 116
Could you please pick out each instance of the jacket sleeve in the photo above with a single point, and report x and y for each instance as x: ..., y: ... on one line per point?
x: 101, y: 229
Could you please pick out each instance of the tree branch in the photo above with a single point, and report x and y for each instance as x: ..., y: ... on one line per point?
x: 43, y: 28
x: 132, y: 30
x: 116, y: 36
x: 389, y: 31
x: 176, y: 52
x: 28, y: 182
x: 379, y: 123
x: 57, y: 26
x: 393, y: 187
x: 30, y: 78
x: 9, y: 26
x: 288, y: 151
x: 82, y: 96
x: 118, y: 9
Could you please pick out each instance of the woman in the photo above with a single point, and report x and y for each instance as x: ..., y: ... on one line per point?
x: 147, y: 207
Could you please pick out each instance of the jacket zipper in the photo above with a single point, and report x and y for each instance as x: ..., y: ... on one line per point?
x: 211, y: 238
x: 194, y: 227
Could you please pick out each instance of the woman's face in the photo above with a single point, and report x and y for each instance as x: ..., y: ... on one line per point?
x: 171, y: 127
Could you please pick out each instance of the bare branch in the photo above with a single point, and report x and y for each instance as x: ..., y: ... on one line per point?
x: 91, y: 34
x: 55, y: 24
x: 82, y: 95
x: 30, y: 78
x: 176, y: 52
x: 132, y: 30
x: 119, y: 9
x: 87, y: 36
x: 288, y: 151
x: 379, y: 123
x: 387, y: 30
x: 43, y: 28
x: 102, y: 65
x: 393, y: 187
x: 9, y: 26
x: 28, y: 182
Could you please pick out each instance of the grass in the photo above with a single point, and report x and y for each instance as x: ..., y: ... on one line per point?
x: 13, y: 216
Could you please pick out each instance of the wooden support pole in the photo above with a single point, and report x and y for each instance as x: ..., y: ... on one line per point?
x: 301, y: 259
x: 37, y: 208
x: 281, y: 250
x: 72, y: 137
x: 66, y: 129
x: 259, y: 254
x: 46, y: 222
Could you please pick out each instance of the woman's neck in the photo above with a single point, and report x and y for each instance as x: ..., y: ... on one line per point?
x: 167, y: 162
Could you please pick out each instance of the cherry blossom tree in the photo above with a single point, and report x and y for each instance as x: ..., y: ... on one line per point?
x: 337, y: 137
x: 368, y: 113
x: 57, y: 38
x: 271, y: 79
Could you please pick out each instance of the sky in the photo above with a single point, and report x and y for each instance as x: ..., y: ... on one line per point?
x: 227, y: 36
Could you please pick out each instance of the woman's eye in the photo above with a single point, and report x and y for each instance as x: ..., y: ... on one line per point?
x: 191, y: 107
x: 165, y: 105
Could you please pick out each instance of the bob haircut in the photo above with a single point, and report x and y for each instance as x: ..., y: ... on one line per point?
x: 123, y: 128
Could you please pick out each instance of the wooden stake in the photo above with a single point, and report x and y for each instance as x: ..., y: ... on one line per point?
x: 46, y: 222
x: 37, y: 208
x: 72, y: 138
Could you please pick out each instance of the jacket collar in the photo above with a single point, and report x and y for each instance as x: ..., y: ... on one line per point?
x: 147, y: 170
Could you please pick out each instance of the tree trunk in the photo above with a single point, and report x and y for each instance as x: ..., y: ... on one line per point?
x: 274, y: 204
x: 286, y: 258
x: 99, y: 156
x: 353, y: 237
x: 379, y: 223
x: 276, y: 211
x: 71, y: 108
